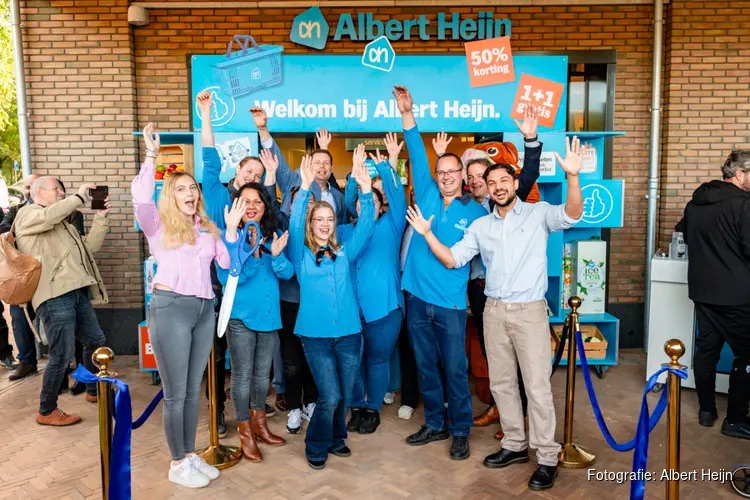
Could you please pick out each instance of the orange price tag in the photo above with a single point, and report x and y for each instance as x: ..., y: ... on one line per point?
x: 490, y: 62
x: 544, y: 95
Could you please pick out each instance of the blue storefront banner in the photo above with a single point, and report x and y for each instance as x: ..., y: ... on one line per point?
x: 342, y: 95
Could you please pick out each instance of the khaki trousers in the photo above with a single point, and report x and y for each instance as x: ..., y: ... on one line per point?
x: 518, y: 334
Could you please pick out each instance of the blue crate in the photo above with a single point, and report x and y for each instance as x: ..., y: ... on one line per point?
x: 249, y: 70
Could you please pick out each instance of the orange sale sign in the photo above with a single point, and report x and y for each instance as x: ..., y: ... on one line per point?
x: 543, y: 94
x: 490, y: 62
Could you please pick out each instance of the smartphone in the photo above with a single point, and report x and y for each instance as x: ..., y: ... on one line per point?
x: 98, y: 196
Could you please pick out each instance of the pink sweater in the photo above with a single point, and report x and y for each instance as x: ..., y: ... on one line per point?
x: 186, y: 269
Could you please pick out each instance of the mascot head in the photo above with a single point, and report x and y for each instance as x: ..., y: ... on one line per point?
x: 500, y: 152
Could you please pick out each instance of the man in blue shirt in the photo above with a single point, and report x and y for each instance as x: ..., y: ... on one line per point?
x: 512, y: 241
x: 436, y: 295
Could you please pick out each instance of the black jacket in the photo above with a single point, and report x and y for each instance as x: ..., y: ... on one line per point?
x: 716, y: 229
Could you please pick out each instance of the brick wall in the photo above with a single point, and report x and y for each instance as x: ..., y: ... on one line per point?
x: 163, y: 49
x: 81, y: 98
x: 706, y: 99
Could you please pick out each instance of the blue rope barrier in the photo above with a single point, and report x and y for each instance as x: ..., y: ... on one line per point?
x: 645, y: 425
x: 119, y: 463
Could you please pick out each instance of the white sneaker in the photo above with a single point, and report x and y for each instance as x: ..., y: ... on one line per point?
x: 405, y: 412
x: 294, y: 421
x: 389, y: 398
x: 186, y: 475
x: 307, y: 411
x: 201, y: 466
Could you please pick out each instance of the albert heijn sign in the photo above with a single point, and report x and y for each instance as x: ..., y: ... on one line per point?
x: 311, y: 28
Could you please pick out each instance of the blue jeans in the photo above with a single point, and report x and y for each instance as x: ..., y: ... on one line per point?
x: 251, y: 353
x: 65, y: 318
x: 278, y: 369
x: 23, y: 335
x: 334, y: 363
x: 380, y: 337
x: 438, y: 337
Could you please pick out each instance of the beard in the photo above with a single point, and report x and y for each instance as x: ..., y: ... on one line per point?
x: 508, y: 202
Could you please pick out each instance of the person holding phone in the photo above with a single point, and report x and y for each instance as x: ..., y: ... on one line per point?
x: 181, y: 317
x: 328, y: 322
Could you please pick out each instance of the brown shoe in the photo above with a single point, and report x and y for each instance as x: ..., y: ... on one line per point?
x: 247, y: 442
x: 91, y: 398
x: 281, y: 403
x: 499, y: 434
x: 57, y: 418
x: 22, y: 370
x: 261, y: 430
x: 489, y: 417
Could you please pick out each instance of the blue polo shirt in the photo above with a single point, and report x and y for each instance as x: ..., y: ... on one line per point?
x: 424, y: 275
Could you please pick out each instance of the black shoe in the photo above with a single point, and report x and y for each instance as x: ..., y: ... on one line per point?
x: 426, y: 435
x: 78, y: 388
x: 316, y: 464
x: 370, y: 422
x: 221, y: 424
x: 707, y: 418
x: 343, y: 452
x: 8, y: 361
x: 739, y: 429
x: 543, y: 478
x: 358, y: 414
x: 460, y: 448
x: 270, y: 410
x: 504, y: 458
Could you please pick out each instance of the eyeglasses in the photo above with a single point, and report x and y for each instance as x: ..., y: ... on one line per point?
x: 321, y: 220
x: 443, y: 173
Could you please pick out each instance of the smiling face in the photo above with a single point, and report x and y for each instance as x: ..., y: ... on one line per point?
x: 449, y: 172
x: 249, y: 170
x: 475, y: 176
x: 323, y: 165
x: 502, y: 186
x: 186, y: 195
x: 255, y: 206
x: 323, y: 224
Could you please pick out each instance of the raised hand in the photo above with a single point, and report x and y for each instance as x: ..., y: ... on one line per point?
x: 362, y: 176
x: 392, y: 145
x: 279, y: 243
x: 204, y: 101
x: 358, y: 157
x: 571, y: 165
x: 377, y: 157
x: 440, y: 143
x: 85, y: 191
x: 270, y: 161
x: 404, y: 100
x: 233, y: 217
x: 259, y: 117
x: 530, y: 122
x: 324, y: 138
x: 417, y: 221
x: 307, y: 172
x: 152, y: 140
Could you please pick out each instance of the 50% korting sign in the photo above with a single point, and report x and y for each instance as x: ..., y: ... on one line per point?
x: 490, y: 62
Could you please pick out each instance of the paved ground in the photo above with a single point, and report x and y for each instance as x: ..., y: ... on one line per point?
x: 44, y: 462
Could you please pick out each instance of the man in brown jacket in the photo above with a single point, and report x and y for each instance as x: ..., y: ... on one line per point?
x: 69, y: 285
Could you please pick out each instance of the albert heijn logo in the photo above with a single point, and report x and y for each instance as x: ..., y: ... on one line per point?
x: 379, y: 54
x: 310, y: 29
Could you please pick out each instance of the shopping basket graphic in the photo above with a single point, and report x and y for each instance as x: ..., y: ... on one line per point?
x: 249, y: 70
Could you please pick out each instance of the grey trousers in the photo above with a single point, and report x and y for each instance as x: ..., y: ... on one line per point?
x: 251, y: 356
x: 181, y: 329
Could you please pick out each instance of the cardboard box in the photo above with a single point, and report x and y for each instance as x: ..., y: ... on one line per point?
x: 590, y: 272
x: 594, y: 350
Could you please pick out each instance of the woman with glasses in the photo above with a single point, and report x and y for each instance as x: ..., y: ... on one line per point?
x: 377, y: 280
x: 328, y: 321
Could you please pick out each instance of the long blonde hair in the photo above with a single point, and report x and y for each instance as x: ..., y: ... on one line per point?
x: 310, y: 240
x: 177, y: 230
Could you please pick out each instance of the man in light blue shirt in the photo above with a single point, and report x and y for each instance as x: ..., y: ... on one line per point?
x: 512, y: 241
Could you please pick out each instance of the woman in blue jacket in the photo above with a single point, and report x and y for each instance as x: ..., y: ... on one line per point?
x: 328, y: 321
x: 255, y: 316
x: 377, y: 280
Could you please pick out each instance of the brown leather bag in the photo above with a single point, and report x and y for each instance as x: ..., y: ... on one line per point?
x: 19, y: 273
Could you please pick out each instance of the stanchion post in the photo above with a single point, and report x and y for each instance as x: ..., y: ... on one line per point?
x: 218, y: 455
x: 674, y: 349
x: 102, y: 359
x: 572, y: 456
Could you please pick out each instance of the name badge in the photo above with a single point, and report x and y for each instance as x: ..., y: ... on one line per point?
x: 460, y: 227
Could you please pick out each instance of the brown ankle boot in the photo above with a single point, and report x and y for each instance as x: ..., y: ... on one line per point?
x: 247, y: 442
x: 262, y: 432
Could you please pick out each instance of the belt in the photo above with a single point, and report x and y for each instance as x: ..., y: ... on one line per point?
x: 479, y: 282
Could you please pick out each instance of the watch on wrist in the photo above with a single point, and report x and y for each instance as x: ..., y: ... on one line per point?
x: 533, y: 139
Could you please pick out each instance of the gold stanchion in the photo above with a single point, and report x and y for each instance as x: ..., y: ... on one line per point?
x: 102, y: 359
x: 674, y: 349
x: 218, y: 455
x: 572, y: 456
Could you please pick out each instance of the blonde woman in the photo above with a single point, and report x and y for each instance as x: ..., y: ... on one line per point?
x: 328, y: 322
x: 181, y: 312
